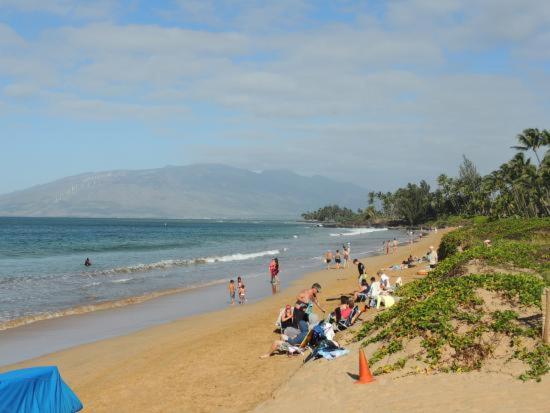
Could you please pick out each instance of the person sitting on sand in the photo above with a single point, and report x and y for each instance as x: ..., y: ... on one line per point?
x: 328, y: 259
x: 362, y: 293
x: 384, y: 280
x: 374, y: 291
x: 242, y: 294
x: 287, y: 318
x: 285, y: 341
x: 305, y: 301
x: 232, y: 291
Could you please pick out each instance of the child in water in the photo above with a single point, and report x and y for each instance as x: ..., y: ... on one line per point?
x: 232, y: 291
x: 242, y: 294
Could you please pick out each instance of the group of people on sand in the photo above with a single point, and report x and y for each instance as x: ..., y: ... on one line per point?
x: 379, y: 291
x: 338, y: 257
x: 239, y: 290
x: 297, y: 321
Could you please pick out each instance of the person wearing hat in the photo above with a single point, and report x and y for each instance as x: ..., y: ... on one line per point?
x: 433, y: 257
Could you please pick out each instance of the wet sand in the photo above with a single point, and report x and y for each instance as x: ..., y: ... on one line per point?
x: 203, y: 363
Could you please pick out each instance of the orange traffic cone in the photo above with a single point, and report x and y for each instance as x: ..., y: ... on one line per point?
x: 365, y: 375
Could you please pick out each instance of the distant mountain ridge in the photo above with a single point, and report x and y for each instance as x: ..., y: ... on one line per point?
x: 193, y: 191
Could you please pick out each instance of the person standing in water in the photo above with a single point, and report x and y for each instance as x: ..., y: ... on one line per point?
x: 328, y: 259
x: 346, y: 256
x: 388, y: 247
x: 337, y: 259
x: 232, y: 292
x: 88, y: 263
x: 274, y: 270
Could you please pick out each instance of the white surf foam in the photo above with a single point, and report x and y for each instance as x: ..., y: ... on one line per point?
x: 165, y: 264
x: 357, y: 231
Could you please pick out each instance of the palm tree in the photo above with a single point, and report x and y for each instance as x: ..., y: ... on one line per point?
x: 532, y: 139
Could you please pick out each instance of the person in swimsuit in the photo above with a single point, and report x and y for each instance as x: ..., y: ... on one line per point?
x: 88, y: 263
x: 274, y: 270
x: 395, y: 246
x: 308, y: 297
x: 232, y: 291
x: 242, y: 294
x: 346, y: 256
x: 328, y: 259
x: 337, y: 259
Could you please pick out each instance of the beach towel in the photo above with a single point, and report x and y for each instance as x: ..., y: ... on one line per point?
x: 36, y: 390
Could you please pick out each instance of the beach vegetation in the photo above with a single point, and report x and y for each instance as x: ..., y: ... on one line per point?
x: 518, y: 188
x: 480, y: 300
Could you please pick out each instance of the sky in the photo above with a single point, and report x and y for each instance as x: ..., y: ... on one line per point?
x: 378, y: 93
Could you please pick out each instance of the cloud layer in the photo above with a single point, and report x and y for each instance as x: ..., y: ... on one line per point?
x: 378, y: 95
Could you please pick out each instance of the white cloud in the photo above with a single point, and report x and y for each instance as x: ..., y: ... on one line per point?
x: 370, y: 94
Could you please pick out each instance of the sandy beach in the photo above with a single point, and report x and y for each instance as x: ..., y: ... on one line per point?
x: 210, y: 363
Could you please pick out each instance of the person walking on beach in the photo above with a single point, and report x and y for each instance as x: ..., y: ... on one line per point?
x: 395, y: 246
x: 337, y: 259
x: 274, y: 270
x: 328, y: 259
x: 232, y: 291
x: 360, y: 270
x: 346, y: 256
x: 242, y: 294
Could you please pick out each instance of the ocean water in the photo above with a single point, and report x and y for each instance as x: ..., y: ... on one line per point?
x: 42, y: 272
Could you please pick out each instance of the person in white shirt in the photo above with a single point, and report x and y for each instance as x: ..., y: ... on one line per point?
x: 374, y: 291
x: 384, y: 280
x: 433, y: 257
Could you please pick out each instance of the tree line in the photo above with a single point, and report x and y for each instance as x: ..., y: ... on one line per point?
x: 518, y: 188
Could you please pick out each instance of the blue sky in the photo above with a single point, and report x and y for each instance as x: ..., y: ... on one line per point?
x: 377, y: 93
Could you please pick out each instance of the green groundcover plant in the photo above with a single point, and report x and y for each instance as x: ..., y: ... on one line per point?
x: 431, y: 309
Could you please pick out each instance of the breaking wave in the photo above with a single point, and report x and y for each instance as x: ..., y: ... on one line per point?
x: 165, y: 264
x: 358, y: 231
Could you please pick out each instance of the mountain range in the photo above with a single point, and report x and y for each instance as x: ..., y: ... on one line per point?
x: 192, y: 191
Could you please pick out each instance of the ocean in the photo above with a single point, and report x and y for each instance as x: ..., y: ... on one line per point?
x: 42, y: 272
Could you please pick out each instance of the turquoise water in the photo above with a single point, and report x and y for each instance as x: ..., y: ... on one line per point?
x: 42, y: 271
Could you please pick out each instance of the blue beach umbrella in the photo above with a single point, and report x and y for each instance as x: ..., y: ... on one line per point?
x: 36, y: 390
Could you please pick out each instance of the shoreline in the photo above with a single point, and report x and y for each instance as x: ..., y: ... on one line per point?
x: 186, y: 360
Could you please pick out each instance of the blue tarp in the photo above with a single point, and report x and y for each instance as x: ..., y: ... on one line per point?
x: 36, y: 390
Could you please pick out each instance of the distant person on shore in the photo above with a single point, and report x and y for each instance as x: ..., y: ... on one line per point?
x: 274, y: 270
x: 328, y: 259
x: 337, y: 259
x: 388, y: 247
x: 232, y: 291
x: 242, y: 294
x: 432, y: 256
x: 88, y: 263
x: 395, y: 246
x: 360, y: 270
x: 345, y: 253
x: 239, y: 282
